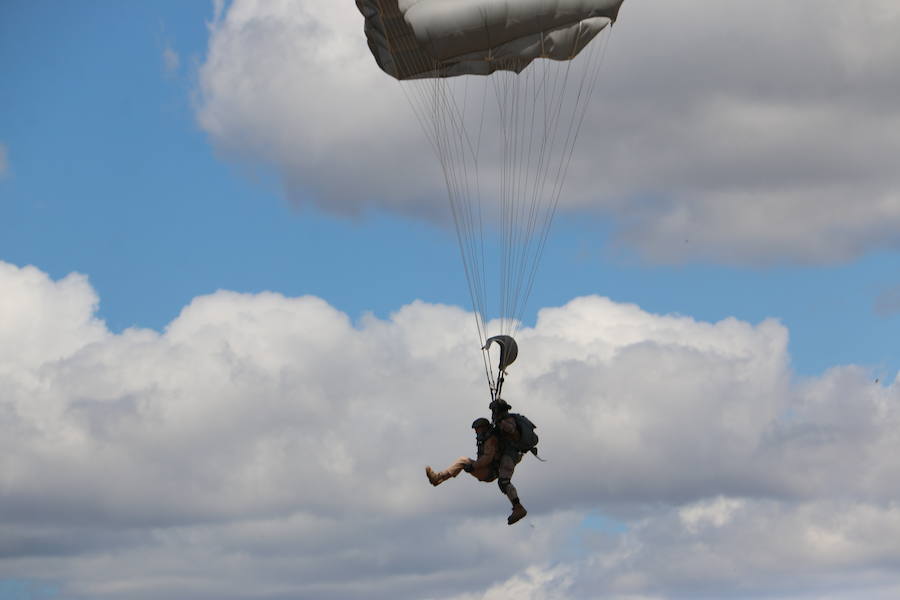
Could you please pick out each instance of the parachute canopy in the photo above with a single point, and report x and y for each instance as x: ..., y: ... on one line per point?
x: 413, y: 39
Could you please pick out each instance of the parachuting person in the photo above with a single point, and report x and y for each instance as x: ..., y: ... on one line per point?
x: 511, y: 439
x: 430, y: 43
x: 486, y: 467
x: 501, y: 442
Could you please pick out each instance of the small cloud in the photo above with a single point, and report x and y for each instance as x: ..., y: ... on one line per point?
x: 171, y: 59
x: 218, y: 10
x: 4, y: 161
x: 888, y: 302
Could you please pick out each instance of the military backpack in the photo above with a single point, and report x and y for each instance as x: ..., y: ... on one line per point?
x: 528, y: 439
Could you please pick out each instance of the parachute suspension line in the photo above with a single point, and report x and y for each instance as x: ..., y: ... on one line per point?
x: 534, y: 189
x: 455, y: 148
x: 470, y: 218
x: 524, y: 176
x: 514, y: 203
x: 520, y: 180
x: 581, y: 104
x: 592, y: 71
x: 443, y: 124
x: 505, y: 108
x: 538, y: 119
x: 431, y: 106
x: 527, y: 219
x: 529, y: 256
x: 456, y: 164
x: 480, y: 263
x: 470, y: 225
x: 471, y: 247
x: 480, y: 228
x: 535, y: 214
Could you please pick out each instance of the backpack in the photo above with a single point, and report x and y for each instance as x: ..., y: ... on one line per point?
x: 528, y: 439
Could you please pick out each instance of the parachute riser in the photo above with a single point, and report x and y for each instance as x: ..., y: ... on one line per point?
x: 508, y: 352
x: 496, y: 389
x: 500, y: 380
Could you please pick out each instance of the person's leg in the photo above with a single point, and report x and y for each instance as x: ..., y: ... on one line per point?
x: 504, y: 481
x: 452, y: 471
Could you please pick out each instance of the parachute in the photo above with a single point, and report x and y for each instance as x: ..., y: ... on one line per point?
x: 446, y: 38
x: 501, y: 89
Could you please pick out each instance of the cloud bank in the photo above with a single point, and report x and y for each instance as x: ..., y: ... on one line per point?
x: 269, y: 447
x: 759, y: 131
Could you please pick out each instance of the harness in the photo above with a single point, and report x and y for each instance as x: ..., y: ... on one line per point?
x: 495, y: 464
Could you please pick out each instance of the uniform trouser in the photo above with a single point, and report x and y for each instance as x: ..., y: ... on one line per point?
x: 508, y: 464
x: 455, y: 469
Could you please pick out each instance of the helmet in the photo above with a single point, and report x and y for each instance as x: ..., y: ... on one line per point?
x: 480, y: 422
x: 499, y: 405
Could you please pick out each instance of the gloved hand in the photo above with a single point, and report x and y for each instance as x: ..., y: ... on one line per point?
x: 468, y: 467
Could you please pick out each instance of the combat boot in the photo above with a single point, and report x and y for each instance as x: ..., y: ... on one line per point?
x: 434, y: 478
x: 518, y: 512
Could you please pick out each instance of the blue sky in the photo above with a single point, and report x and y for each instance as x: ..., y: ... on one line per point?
x: 109, y: 175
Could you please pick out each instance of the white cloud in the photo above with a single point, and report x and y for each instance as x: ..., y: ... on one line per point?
x: 269, y: 447
x: 766, y: 549
x: 717, y: 513
x: 4, y: 161
x: 171, y: 60
x: 747, y: 132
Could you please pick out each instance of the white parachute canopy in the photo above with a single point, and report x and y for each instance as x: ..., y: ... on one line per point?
x: 512, y: 78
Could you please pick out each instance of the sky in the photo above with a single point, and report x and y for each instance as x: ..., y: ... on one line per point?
x: 234, y: 325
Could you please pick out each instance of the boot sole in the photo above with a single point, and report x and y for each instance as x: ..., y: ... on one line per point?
x: 512, y: 521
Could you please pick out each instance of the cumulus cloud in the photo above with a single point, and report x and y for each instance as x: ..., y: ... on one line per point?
x: 754, y: 131
x: 269, y: 447
x: 755, y: 549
